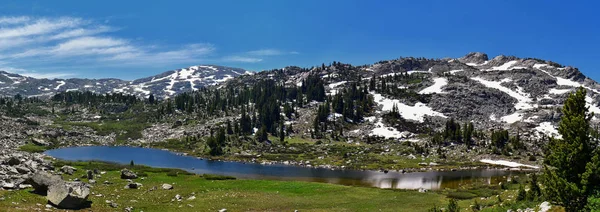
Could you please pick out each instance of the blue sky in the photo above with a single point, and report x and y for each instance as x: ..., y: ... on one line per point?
x: 132, y: 39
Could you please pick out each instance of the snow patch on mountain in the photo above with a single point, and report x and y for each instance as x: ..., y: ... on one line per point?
x: 60, y: 83
x: 546, y: 128
x: 505, y: 66
x: 559, y: 91
x: 387, y: 132
x: 438, y: 83
x: 524, y: 101
x: 512, y: 118
x: 416, y: 112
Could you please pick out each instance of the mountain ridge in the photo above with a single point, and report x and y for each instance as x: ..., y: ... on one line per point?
x: 162, y: 85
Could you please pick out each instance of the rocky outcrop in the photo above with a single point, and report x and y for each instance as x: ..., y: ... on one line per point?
x: 128, y: 174
x: 68, y: 170
x: 68, y: 195
x: 41, y: 180
x: 474, y: 57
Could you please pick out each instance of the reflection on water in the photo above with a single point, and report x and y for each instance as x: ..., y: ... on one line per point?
x: 395, y: 180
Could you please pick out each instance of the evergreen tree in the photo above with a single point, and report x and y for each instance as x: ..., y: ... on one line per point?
x: 262, y: 135
x: 521, y: 194
x: 151, y: 99
x: 534, y: 189
x: 572, y: 163
x: 453, y: 206
x: 229, y: 129
x: 281, y: 132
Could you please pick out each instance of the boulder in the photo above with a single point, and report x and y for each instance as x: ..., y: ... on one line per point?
x: 128, y: 174
x: 39, y: 142
x: 167, y: 186
x: 22, y: 169
x: 68, y: 195
x: 42, y: 180
x: 13, y: 161
x: 68, y: 170
x: 113, y: 205
x: 9, y: 185
x: 133, y: 185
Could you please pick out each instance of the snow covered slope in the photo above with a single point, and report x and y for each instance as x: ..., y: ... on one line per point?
x: 163, y: 85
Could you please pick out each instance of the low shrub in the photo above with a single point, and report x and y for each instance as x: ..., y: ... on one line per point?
x: 217, y: 177
x: 462, y: 195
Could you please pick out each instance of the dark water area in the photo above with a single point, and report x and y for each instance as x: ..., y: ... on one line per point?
x: 160, y: 158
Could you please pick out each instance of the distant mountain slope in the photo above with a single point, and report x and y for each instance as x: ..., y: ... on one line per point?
x: 163, y: 85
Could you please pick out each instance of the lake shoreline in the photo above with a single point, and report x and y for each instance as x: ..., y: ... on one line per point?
x: 429, y: 168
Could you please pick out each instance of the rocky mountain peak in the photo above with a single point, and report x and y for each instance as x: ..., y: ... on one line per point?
x: 474, y: 57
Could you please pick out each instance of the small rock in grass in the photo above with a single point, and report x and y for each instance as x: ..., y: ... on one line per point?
x: 113, y: 205
x: 167, y: 186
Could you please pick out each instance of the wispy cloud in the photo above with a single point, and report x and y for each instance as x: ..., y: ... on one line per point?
x: 242, y: 59
x: 26, y: 39
x: 13, y: 20
x: 53, y: 46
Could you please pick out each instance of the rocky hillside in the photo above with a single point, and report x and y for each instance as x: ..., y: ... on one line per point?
x: 163, y: 85
x: 500, y: 92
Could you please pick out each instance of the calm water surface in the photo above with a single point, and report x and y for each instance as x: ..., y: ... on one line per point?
x: 162, y: 158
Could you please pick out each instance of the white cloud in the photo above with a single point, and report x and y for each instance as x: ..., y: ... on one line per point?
x: 39, y: 27
x: 51, y: 44
x: 51, y: 41
x: 242, y: 59
x: 13, y: 20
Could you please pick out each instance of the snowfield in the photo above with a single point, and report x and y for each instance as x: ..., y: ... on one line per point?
x: 512, y: 118
x: 559, y: 91
x: 563, y: 81
x: 524, y: 101
x: 60, y: 83
x: 546, y: 128
x: 416, y: 113
x: 505, y: 66
x: 507, y: 163
x: 438, y: 83
x: 387, y: 132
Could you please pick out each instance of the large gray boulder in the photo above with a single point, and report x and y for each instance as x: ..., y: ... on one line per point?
x: 133, y: 185
x: 68, y: 170
x: 128, y: 174
x: 41, y: 180
x: 39, y: 142
x: 68, y: 195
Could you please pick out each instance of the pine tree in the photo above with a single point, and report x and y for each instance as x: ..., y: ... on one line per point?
x: 521, y: 194
x: 151, y: 99
x: 572, y: 163
x: 534, y: 189
x: 262, y: 135
x: 281, y: 132
x: 229, y: 129
x: 453, y: 206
